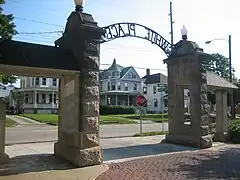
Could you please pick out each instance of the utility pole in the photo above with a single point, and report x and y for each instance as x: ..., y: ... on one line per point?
x: 230, y: 77
x: 171, y: 23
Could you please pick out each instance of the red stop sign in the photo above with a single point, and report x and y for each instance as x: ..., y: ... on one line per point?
x: 141, y: 101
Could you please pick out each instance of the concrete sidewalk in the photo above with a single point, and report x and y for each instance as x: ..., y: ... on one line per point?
x: 23, y: 120
x: 113, y: 148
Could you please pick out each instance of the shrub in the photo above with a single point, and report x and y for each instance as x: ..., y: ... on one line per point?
x: 234, y: 131
x: 106, y: 110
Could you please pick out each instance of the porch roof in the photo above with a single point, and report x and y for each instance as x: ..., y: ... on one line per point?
x: 119, y: 93
x: 16, y: 54
x: 216, y: 81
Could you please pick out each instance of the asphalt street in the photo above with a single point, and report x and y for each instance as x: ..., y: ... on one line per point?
x: 45, y: 133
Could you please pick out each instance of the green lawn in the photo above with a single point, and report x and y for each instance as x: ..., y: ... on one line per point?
x: 151, y: 133
x: 150, y: 117
x: 9, y: 123
x: 52, y: 119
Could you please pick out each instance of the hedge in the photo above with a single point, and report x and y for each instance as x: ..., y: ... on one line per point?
x: 234, y: 131
x: 106, y: 110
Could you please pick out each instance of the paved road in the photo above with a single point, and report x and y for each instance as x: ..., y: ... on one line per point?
x: 41, y: 133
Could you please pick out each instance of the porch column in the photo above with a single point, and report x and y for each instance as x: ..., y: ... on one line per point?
x: 116, y: 99
x: 53, y: 99
x: 35, y: 101
x: 221, y: 116
x: 106, y: 101
x: 3, y: 157
x: 128, y: 100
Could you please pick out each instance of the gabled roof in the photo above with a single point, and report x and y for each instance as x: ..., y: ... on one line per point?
x: 104, y: 74
x: 114, y: 66
x: 155, y: 78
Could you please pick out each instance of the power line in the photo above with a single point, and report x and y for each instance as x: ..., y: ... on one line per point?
x: 36, y: 21
x: 138, y: 67
x: 46, y: 32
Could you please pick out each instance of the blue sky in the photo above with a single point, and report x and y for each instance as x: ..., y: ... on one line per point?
x: 205, y: 20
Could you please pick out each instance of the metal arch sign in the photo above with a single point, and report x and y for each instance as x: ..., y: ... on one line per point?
x: 126, y: 29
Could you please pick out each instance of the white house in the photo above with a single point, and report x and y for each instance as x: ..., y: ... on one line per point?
x: 40, y: 95
x: 119, y: 85
x: 154, y: 88
x: 5, y: 90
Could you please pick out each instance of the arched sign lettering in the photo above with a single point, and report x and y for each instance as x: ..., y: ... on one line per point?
x: 125, y: 29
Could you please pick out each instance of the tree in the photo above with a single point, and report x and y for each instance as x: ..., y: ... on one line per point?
x: 7, y: 30
x: 219, y: 64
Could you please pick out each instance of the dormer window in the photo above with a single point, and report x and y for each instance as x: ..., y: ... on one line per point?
x: 113, y: 74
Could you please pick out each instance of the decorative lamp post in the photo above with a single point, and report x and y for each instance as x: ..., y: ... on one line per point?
x: 230, y: 67
x: 79, y: 4
x: 184, y: 33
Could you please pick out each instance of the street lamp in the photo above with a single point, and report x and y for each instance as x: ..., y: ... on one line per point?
x: 79, y: 4
x: 230, y: 67
x: 184, y: 33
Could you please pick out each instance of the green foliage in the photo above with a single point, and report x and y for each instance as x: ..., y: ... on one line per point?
x: 219, y: 64
x: 7, y: 27
x: 105, y: 110
x: 7, y: 30
x: 234, y: 131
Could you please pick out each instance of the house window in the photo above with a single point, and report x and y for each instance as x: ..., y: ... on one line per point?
x: 119, y: 86
x: 43, y: 98
x: 113, y: 87
x: 44, y: 81
x: 165, y: 102
x: 26, y: 98
x: 154, y: 89
x: 33, y: 81
x: 23, y: 83
x: 158, y: 85
x: 37, y: 81
x: 155, y: 103
x: 108, y: 86
x: 135, y: 87
x: 134, y: 76
x: 100, y: 87
x: 113, y: 74
x: 54, y: 82
x: 144, y: 90
x: 126, y: 86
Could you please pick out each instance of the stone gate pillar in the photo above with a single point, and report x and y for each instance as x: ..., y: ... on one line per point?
x: 3, y: 157
x: 186, y: 71
x: 79, y: 95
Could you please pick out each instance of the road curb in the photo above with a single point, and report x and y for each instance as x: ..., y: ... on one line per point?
x: 29, y: 142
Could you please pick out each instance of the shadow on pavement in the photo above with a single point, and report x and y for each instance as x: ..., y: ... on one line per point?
x: 33, y: 163
x: 207, y: 165
x: 142, y: 150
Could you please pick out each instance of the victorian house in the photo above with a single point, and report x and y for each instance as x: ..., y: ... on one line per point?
x: 119, y: 85
x: 39, y: 95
